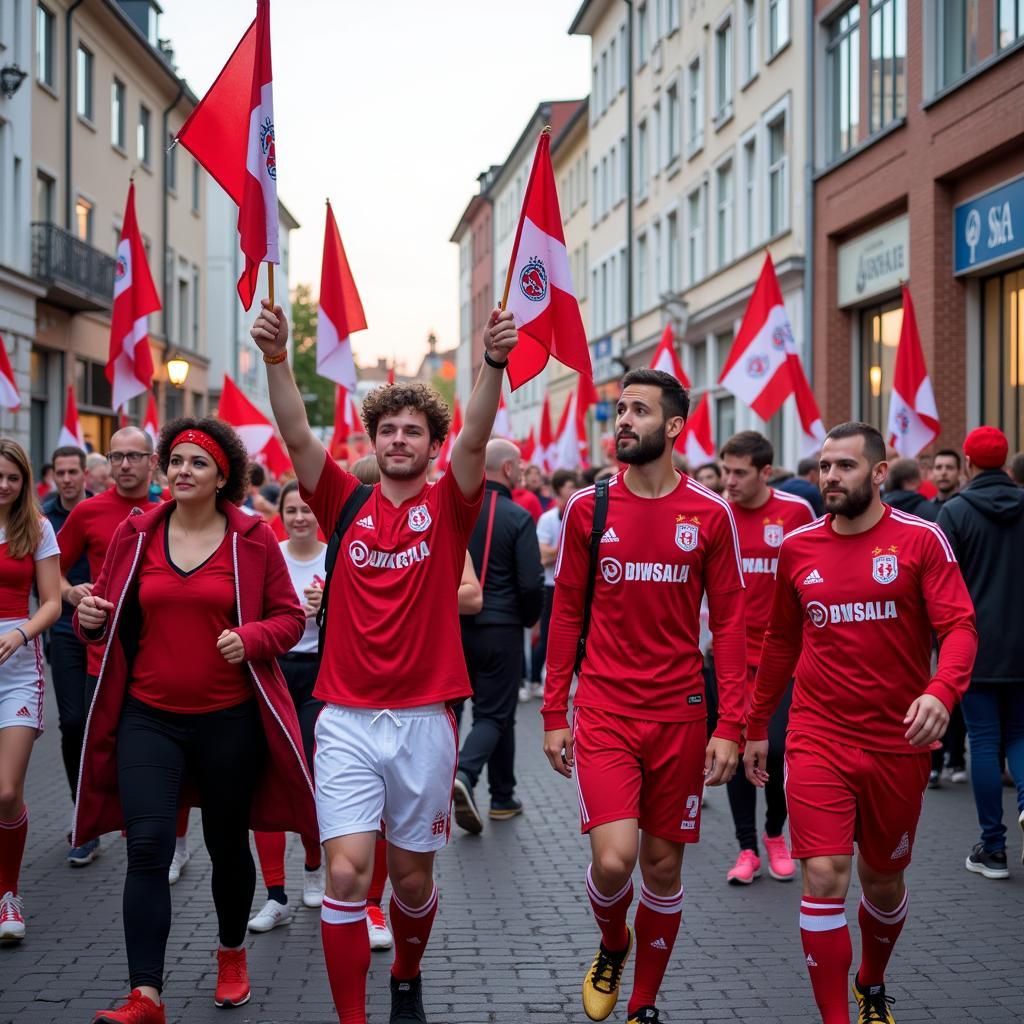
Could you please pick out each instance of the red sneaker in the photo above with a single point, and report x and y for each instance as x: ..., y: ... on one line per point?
x: 780, y: 863
x: 232, y: 978
x: 139, y: 1009
x: 746, y: 868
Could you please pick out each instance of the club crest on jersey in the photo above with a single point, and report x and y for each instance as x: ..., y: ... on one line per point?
x: 268, y: 146
x: 611, y: 570
x: 419, y: 518
x: 884, y: 568
x: 533, y: 280
x: 773, y: 534
x: 687, y: 533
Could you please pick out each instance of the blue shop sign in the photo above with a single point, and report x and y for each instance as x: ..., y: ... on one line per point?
x: 603, y: 411
x: 602, y: 348
x: 989, y: 227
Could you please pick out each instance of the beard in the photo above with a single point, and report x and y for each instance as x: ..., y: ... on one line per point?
x: 646, y: 449
x: 409, y: 470
x: 852, y: 503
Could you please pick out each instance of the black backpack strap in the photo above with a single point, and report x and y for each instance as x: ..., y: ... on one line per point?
x: 355, y: 501
x: 596, y: 533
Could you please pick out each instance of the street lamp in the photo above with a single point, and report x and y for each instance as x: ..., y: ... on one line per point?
x: 11, y: 78
x: 177, y: 370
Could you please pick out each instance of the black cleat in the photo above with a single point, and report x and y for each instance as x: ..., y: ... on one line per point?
x: 644, y: 1015
x: 407, y: 1001
x: 466, y: 814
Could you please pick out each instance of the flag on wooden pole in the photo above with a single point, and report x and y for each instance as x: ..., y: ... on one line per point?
x: 913, y: 415
x: 71, y: 431
x: 339, y: 313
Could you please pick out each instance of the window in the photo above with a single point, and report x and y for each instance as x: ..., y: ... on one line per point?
x: 751, y: 235
x: 748, y: 26
x: 672, y: 251
x: 613, y: 170
x: 603, y: 80
x: 641, y: 160
x: 172, y: 163
x: 595, y: 111
x: 641, y: 35
x: 640, y: 298
x: 583, y: 272
x: 184, y: 312
x: 195, y: 308
x: 83, y: 92
x: 694, y: 237
x: 778, y: 25
x: 658, y: 278
x: 879, y: 338
x: 658, y: 148
x: 623, y: 57
x: 674, y: 128
x: 83, y: 219
x: 624, y: 167
x: 117, y: 132
x: 1011, y: 22
x: 46, y: 197
x: 142, y: 139
x: 46, y: 42
x: 778, y: 219
x: 725, y: 416
x: 723, y: 214
x: 700, y: 364
x: 673, y: 15
x: 1002, y: 355
x: 606, y: 186
x: 596, y: 194
x: 887, y: 71
x: 613, y: 68
x: 957, y: 33
x: 694, y: 108
x: 842, y: 68
x: 723, y: 70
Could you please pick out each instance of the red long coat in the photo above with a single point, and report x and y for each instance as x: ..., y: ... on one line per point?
x: 271, y: 622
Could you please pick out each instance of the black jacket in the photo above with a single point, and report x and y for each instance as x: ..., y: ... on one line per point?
x: 514, y: 578
x: 805, y: 489
x: 57, y: 514
x: 985, y: 525
x: 913, y: 502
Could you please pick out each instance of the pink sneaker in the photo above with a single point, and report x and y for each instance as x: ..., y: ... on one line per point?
x: 780, y: 864
x: 746, y: 868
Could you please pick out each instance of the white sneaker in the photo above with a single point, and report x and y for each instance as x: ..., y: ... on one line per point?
x: 959, y: 775
x: 537, y: 691
x: 313, y: 887
x: 524, y: 694
x: 12, y: 918
x: 178, y: 862
x: 272, y: 916
x: 377, y: 926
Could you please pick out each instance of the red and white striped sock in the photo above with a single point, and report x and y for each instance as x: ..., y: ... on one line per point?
x: 347, y: 954
x: 610, y: 912
x: 12, y: 848
x: 829, y: 953
x: 656, y: 927
x: 879, y: 930
x: 411, y: 927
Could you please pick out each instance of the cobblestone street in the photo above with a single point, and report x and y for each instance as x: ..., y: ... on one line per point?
x: 515, y: 932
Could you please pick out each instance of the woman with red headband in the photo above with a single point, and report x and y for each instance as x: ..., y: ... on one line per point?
x: 193, y: 606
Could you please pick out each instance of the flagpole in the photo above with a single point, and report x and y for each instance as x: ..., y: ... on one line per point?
x: 270, y: 283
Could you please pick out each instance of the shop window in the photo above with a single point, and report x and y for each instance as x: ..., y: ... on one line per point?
x: 887, y: 68
x: 957, y: 35
x: 842, y: 59
x: 879, y: 339
x: 1011, y: 22
x: 1002, y: 355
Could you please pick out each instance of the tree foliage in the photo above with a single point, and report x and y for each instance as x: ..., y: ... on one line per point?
x: 317, y: 391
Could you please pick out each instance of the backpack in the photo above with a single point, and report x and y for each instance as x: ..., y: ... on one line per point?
x: 596, y: 533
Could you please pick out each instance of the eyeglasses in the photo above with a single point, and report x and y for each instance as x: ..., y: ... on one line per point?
x: 116, y: 458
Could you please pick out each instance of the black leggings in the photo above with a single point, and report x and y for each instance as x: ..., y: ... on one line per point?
x: 743, y: 796
x: 223, y: 753
x: 299, y: 671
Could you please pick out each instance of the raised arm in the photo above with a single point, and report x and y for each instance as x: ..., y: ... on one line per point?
x: 270, y: 332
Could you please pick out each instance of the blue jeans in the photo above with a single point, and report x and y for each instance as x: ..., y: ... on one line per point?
x: 994, y: 714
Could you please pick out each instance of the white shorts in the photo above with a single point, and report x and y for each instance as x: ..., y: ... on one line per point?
x: 391, y: 767
x: 21, y: 686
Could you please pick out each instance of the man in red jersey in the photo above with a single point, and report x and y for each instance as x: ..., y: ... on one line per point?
x: 386, y: 742
x: 857, y: 596
x: 638, y: 742
x: 763, y: 517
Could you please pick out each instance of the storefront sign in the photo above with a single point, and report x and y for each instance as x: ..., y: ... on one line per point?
x: 602, y: 355
x: 989, y: 227
x: 875, y: 262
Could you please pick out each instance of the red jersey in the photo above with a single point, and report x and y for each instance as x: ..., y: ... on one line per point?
x: 18, y: 574
x: 528, y: 500
x: 761, y: 531
x: 88, y: 530
x: 193, y: 607
x: 657, y: 558
x: 393, y: 637
x: 854, y: 616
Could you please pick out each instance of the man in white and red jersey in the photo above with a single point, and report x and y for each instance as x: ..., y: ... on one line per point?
x: 857, y: 596
x: 639, y: 743
x: 387, y: 742
x: 763, y: 517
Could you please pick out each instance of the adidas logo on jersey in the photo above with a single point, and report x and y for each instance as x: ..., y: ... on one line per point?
x: 24, y: 713
x: 811, y: 962
x: 902, y: 848
x: 366, y: 522
x: 659, y: 943
x: 609, y: 536
x: 813, y: 577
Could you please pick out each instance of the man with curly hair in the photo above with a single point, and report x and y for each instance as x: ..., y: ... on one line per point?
x: 387, y: 742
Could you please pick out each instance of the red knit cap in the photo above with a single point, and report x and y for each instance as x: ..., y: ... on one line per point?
x: 987, y: 447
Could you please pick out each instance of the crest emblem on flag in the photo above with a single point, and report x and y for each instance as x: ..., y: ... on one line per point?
x: 268, y: 147
x: 773, y: 534
x: 780, y: 335
x: 757, y: 366
x: 121, y: 268
x: 884, y: 568
x: 902, y: 420
x: 419, y: 518
x: 533, y: 281
x: 687, y: 535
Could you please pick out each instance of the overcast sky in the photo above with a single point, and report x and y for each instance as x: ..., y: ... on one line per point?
x: 392, y: 108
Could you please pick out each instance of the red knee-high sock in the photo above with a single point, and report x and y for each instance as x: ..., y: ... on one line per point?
x: 347, y: 953
x: 12, y: 849
x: 879, y: 930
x: 270, y: 850
x: 610, y: 912
x: 829, y: 953
x: 182, y: 829
x: 656, y: 926
x: 411, y: 927
x: 380, y: 872
x: 314, y: 853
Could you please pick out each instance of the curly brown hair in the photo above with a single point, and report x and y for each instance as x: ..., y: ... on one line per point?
x: 390, y: 399
x: 224, y: 434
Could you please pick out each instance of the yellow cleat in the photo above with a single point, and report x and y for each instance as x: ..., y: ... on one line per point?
x: 601, y: 985
x: 873, y: 1004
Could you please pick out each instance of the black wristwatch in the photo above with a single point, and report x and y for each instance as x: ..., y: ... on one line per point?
x: 494, y: 362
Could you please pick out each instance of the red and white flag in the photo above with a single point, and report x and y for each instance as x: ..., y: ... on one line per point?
x: 570, y: 449
x: 444, y: 457
x: 231, y: 133
x: 150, y: 422
x: 528, y: 449
x: 254, y: 429
x: 346, y: 420
x: 339, y: 313
x: 391, y: 373
x: 71, y: 432
x: 698, y: 443
x: 666, y: 358
x: 130, y: 363
x: 541, y: 294
x: 502, y: 427
x: 10, y: 398
x: 913, y: 415
x: 764, y: 368
x: 546, y: 441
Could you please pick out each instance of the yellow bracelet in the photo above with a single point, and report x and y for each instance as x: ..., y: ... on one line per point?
x: 279, y: 358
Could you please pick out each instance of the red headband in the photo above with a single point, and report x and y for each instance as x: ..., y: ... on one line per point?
x: 208, y: 444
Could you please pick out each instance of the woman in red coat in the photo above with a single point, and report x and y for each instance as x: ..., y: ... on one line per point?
x: 193, y: 605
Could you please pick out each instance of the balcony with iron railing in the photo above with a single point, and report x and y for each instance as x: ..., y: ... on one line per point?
x: 78, y: 275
